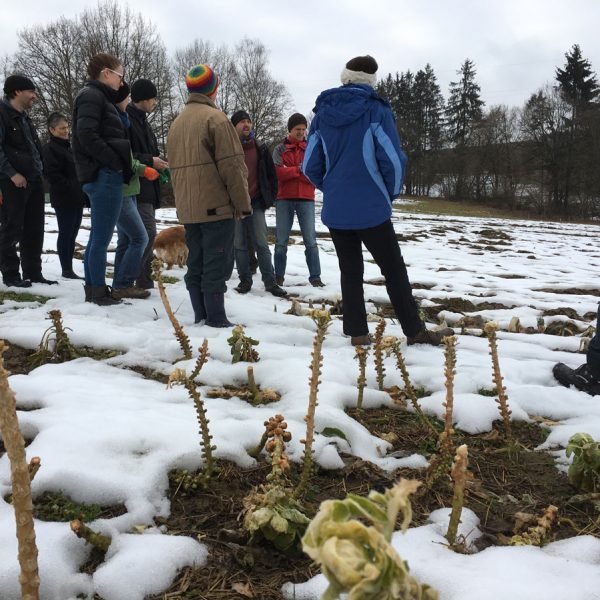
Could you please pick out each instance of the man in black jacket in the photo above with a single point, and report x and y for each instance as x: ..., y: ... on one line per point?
x: 21, y: 188
x: 145, y: 148
x: 262, y: 187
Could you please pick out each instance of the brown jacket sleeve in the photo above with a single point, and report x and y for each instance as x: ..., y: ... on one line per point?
x: 229, y: 158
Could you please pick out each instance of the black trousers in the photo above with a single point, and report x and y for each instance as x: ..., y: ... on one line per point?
x: 148, y: 214
x: 21, y: 222
x: 593, y: 353
x: 69, y: 221
x: 381, y: 242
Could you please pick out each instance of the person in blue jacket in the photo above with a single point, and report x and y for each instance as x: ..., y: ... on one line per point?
x: 354, y: 157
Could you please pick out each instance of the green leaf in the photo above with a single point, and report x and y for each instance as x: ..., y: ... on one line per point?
x: 334, y: 432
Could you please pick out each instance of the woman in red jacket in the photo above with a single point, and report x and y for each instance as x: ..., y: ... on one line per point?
x: 296, y: 195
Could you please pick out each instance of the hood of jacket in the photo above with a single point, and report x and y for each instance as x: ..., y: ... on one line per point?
x: 343, y: 105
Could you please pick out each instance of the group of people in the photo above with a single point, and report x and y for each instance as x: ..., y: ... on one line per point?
x: 224, y: 180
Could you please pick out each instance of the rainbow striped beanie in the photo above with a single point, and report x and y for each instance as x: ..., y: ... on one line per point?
x: 201, y: 79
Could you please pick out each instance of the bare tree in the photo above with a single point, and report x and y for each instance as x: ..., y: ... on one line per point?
x: 219, y: 58
x: 257, y: 92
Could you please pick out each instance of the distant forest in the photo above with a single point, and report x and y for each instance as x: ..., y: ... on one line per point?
x: 543, y: 157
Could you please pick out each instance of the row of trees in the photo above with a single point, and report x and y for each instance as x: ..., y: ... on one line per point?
x: 541, y: 156
x: 58, y: 53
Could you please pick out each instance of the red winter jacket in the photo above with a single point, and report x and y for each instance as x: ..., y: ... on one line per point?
x: 288, y: 157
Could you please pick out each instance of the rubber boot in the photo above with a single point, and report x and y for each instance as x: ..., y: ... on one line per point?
x: 101, y: 295
x: 215, y: 310
x: 197, y: 299
x: 87, y: 289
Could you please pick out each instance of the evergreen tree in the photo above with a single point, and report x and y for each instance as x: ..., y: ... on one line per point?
x: 577, y: 81
x: 464, y: 107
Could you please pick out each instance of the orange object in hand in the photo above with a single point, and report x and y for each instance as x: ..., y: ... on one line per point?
x: 151, y: 174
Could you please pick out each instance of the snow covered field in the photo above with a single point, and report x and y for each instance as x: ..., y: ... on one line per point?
x: 107, y: 435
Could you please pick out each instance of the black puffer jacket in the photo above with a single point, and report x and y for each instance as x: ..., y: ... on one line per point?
x: 267, y: 176
x: 59, y: 170
x: 144, y: 147
x: 99, y: 138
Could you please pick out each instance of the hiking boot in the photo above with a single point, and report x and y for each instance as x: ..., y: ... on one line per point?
x: 244, y: 286
x: 276, y: 290
x: 362, y: 340
x: 197, y: 300
x: 214, y: 303
x: 71, y: 275
x: 130, y: 292
x: 433, y: 338
x: 279, y: 280
x: 316, y: 282
x: 580, y: 377
x: 17, y: 282
x: 102, y: 295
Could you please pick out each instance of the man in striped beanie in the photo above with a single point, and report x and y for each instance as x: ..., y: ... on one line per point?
x: 209, y: 179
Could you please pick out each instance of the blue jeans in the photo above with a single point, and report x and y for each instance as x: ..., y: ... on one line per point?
x: 106, y: 198
x: 258, y: 226
x: 284, y: 215
x: 69, y: 221
x: 131, y: 243
x: 210, y: 255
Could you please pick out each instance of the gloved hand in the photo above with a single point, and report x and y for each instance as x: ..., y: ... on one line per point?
x: 151, y: 174
x: 165, y: 176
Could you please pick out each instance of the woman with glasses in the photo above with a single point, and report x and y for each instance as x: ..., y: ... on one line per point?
x: 103, y: 161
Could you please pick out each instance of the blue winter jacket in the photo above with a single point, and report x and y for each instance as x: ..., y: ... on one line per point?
x: 354, y: 157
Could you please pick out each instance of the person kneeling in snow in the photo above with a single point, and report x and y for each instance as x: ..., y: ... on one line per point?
x: 354, y: 157
x: 586, y: 377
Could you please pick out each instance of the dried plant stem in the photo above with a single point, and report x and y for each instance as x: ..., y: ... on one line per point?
x: 378, y: 353
x: 34, y: 466
x: 21, y: 486
x: 460, y: 476
x: 182, y: 338
x: 254, y: 452
x: 81, y: 530
x: 502, y: 400
x: 202, y: 359
x: 410, y: 391
x: 362, y: 354
x: 315, y: 373
x: 446, y: 445
x: 207, y: 446
x: 256, y: 395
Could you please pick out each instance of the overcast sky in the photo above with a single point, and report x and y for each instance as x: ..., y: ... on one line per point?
x: 515, y: 44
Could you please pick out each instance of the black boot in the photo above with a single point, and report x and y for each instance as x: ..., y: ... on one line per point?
x: 102, y: 295
x: 197, y: 299
x: 215, y: 310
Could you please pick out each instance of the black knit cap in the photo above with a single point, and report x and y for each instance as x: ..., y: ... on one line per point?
x: 122, y: 92
x: 17, y: 83
x: 238, y: 116
x: 364, y: 64
x: 296, y: 119
x: 143, y: 89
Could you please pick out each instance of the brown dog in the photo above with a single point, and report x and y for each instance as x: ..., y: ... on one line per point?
x: 170, y: 248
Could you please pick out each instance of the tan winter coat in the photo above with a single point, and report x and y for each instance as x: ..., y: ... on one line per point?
x: 206, y: 159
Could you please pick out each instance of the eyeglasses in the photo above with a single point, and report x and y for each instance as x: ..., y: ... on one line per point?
x: 121, y: 76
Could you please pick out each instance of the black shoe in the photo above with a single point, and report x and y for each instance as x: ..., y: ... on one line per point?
x: 244, y: 286
x: 276, y: 290
x: 580, y: 377
x: 71, y: 275
x: 433, y: 338
x: 316, y: 282
x: 18, y: 282
x: 42, y: 279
